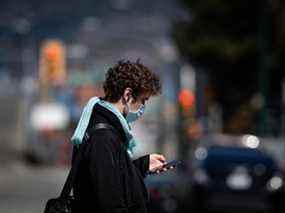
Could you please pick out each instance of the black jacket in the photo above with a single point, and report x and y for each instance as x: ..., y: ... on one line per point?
x: 108, y: 181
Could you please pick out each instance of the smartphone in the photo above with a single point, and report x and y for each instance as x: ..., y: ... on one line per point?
x: 167, y: 166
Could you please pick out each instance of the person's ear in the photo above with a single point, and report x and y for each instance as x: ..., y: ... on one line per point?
x: 127, y: 94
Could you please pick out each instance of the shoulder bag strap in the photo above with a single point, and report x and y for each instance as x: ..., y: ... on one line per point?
x: 74, y: 167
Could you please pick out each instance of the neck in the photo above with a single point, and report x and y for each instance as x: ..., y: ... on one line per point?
x: 119, y: 106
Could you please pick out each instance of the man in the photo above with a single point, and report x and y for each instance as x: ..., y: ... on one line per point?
x: 108, y: 180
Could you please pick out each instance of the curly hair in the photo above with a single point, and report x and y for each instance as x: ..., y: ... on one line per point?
x: 130, y: 74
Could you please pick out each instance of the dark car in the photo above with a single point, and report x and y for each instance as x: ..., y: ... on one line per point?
x: 235, y: 178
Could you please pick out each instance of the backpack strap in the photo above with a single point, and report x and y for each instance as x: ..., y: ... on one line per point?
x: 74, y: 167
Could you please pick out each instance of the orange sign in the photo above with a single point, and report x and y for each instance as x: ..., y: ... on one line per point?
x: 52, y: 69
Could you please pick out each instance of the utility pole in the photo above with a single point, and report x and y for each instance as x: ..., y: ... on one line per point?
x: 264, y: 43
x: 283, y: 109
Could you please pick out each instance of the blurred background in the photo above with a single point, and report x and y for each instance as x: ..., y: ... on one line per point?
x: 221, y: 111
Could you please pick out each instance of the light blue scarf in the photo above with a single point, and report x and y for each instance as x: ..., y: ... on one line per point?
x: 82, y: 125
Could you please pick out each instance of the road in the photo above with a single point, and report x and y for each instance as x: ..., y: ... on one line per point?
x: 25, y: 189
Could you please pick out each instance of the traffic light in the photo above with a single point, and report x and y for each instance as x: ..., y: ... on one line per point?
x: 186, y: 99
x: 52, y: 70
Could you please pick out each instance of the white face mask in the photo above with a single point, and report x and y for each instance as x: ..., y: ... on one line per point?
x: 133, y: 116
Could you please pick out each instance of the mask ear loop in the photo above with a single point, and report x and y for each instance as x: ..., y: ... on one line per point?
x: 125, y: 103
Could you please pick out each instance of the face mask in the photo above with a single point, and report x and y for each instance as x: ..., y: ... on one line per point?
x: 133, y: 116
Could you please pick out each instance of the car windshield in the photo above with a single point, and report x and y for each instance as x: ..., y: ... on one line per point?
x: 239, y: 155
x: 231, y: 149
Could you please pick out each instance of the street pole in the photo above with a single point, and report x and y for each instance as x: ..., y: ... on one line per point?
x: 264, y: 62
x: 283, y: 110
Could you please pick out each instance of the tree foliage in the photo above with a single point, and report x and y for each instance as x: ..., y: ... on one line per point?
x: 225, y: 38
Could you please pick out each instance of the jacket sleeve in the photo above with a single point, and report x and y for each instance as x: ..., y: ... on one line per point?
x: 105, y: 173
x: 142, y: 164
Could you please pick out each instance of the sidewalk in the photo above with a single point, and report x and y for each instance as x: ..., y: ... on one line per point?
x: 25, y: 189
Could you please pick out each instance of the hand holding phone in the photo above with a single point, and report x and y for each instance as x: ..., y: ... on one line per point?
x: 165, y: 167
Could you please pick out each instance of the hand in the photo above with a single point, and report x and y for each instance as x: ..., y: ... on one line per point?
x: 156, y: 160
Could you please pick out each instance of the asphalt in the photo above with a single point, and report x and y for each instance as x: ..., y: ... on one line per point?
x: 25, y: 189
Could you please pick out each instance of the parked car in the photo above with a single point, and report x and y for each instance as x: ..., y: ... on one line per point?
x: 235, y: 178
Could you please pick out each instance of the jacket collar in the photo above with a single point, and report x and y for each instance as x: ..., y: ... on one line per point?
x: 111, y: 119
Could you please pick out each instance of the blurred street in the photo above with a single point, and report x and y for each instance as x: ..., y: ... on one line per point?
x: 221, y: 111
x: 26, y: 189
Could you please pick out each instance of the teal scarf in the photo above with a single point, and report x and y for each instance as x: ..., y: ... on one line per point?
x: 82, y: 125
